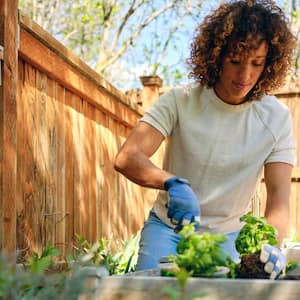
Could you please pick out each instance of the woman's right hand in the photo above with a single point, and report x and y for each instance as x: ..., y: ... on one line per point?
x: 183, y: 206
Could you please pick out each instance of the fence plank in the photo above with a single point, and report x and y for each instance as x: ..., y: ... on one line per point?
x: 32, y: 204
x: 78, y: 188
x: 85, y: 171
x: 99, y: 174
x: 92, y: 167
x: 60, y: 205
x: 21, y: 240
x: 8, y: 131
x: 51, y: 162
x: 69, y: 176
x: 41, y: 148
x: 104, y: 161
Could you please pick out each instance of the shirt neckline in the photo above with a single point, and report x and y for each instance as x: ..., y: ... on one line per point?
x: 226, y: 106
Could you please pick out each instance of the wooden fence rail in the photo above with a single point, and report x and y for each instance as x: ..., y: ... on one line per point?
x: 61, y: 127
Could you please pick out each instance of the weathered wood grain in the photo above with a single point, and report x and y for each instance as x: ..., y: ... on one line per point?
x: 21, y: 243
x: 60, y: 205
x: 51, y: 163
x: 8, y: 123
x: 37, y: 53
x: 69, y: 169
x: 41, y: 151
x: 148, y: 288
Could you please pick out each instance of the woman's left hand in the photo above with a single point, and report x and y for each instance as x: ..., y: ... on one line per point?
x: 274, y: 260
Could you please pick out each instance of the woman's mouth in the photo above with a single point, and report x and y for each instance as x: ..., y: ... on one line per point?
x: 240, y: 85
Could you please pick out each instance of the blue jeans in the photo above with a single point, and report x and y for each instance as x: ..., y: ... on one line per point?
x: 159, y: 239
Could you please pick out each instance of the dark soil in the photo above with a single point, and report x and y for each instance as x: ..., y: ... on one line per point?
x: 251, y: 267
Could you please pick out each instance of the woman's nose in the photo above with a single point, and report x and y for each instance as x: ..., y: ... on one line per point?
x: 244, y: 72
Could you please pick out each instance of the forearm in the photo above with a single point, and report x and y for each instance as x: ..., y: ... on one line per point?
x: 279, y: 219
x: 278, y: 184
x: 138, y: 168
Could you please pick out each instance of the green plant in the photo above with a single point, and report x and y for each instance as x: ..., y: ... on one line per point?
x: 291, y: 265
x: 196, y: 255
x: 119, y: 261
x: 254, y: 234
x: 39, y: 263
x: 200, y: 254
x: 34, y: 281
x: 25, y: 284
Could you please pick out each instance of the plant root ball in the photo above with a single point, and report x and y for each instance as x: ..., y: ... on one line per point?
x: 251, y: 267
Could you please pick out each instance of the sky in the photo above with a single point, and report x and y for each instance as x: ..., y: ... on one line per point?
x: 174, y: 57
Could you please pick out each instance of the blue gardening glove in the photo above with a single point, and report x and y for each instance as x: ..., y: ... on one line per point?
x: 183, y: 207
x: 273, y: 259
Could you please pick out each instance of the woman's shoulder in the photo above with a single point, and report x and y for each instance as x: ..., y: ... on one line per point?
x: 187, y: 92
x: 272, y: 111
x: 270, y: 105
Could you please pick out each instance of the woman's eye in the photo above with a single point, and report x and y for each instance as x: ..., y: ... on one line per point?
x: 235, y: 62
x: 258, y: 64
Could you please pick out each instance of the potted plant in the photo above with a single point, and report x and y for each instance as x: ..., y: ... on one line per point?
x: 252, y: 236
x: 199, y: 255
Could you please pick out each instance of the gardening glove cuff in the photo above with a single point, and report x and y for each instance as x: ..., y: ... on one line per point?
x: 274, y: 260
x: 183, y: 207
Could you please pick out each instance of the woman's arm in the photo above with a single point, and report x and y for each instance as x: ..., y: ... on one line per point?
x: 278, y: 183
x: 133, y: 158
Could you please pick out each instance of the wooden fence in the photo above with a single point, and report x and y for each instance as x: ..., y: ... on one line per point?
x: 61, y: 125
x: 70, y: 125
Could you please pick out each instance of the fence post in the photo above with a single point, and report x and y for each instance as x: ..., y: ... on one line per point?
x: 8, y: 121
x: 151, y: 90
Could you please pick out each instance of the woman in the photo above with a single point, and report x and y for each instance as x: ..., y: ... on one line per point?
x: 221, y: 134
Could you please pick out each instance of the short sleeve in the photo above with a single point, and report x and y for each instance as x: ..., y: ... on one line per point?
x: 284, y: 149
x: 163, y: 114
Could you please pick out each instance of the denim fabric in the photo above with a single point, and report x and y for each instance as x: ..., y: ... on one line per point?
x: 158, y: 239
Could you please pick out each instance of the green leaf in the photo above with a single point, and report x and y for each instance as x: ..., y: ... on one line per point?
x: 253, y: 234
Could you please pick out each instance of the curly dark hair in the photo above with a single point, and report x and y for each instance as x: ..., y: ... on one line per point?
x: 237, y: 27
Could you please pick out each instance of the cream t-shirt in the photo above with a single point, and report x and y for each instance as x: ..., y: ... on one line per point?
x: 221, y: 149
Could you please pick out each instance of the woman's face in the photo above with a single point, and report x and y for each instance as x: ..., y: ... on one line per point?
x: 239, y: 74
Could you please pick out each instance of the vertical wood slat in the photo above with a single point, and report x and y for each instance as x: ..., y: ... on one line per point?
x: 60, y: 207
x: 121, y: 184
x: 8, y: 122
x: 115, y: 213
x: 31, y: 204
x: 51, y: 162
x: 92, y: 166
x: 78, y: 189
x: 69, y: 178
x: 40, y: 150
x: 85, y: 179
x: 104, y: 161
x: 99, y: 175
x: 21, y: 240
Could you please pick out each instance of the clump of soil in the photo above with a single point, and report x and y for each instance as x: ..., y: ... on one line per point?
x: 251, y: 267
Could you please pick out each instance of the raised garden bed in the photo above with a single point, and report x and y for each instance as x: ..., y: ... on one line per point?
x: 149, y: 285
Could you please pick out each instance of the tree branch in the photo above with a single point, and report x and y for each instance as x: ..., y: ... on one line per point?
x: 107, y: 13
x: 102, y: 64
x: 128, y: 14
x: 164, y: 49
